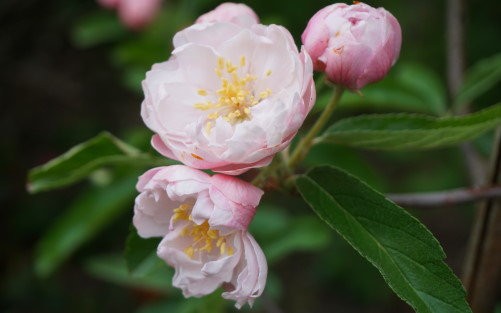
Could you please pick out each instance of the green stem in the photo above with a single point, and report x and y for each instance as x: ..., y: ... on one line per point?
x: 264, y: 173
x: 305, y: 144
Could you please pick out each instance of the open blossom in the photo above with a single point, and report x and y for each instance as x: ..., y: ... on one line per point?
x: 229, y: 97
x: 238, y: 13
x: 203, y: 221
x: 354, y: 45
x: 134, y: 13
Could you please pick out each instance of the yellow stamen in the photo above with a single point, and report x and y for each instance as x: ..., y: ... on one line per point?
x: 208, y: 127
x: 222, y: 249
x: 203, y: 237
x: 189, y: 252
x: 235, y: 96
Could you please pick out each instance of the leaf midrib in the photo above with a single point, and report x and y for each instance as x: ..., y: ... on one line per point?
x: 377, y: 242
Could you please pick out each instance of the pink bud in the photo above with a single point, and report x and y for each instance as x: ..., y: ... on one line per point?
x: 354, y: 45
x: 230, y: 12
x: 134, y: 13
x: 137, y: 13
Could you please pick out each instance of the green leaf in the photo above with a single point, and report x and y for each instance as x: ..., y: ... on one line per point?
x: 398, y: 245
x: 409, y: 131
x: 112, y: 268
x: 304, y: 233
x: 407, y: 88
x: 97, y: 28
x: 480, y: 77
x: 138, y: 250
x: 84, y: 218
x: 83, y: 159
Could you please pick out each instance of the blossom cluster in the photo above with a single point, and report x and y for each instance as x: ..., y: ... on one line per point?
x: 234, y: 93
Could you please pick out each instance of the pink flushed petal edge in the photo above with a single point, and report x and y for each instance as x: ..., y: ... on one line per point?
x: 237, y: 190
x: 231, y: 169
x: 237, y: 169
x: 251, y: 281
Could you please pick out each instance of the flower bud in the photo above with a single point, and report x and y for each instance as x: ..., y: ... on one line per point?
x: 135, y: 14
x: 230, y: 12
x: 354, y: 45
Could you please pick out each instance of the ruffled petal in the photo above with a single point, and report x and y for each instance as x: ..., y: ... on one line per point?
x: 250, y: 274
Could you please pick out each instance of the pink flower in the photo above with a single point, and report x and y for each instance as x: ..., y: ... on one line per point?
x: 230, y: 12
x: 354, y: 45
x: 134, y: 13
x: 230, y: 96
x: 203, y: 221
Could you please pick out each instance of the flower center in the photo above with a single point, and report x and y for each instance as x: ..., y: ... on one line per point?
x: 236, y: 95
x: 203, y: 238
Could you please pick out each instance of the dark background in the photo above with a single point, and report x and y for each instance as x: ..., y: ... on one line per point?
x: 63, y: 80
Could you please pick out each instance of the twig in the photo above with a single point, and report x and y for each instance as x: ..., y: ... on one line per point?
x: 455, y: 45
x: 446, y: 198
x: 305, y: 144
x: 476, y: 168
x: 482, y: 270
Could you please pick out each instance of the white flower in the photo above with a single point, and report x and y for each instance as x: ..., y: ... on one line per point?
x: 229, y: 97
x: 203, y: 221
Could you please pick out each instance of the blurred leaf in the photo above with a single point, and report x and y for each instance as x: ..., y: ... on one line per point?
x: 484, y: 144
x: 85, y: 217
x: 153, y: 44
x: 405, y: 131
x: 113, y: 269
x: 408, y: 88
x: 212, y: 303
x: 83, y: 159
x: 398, y: 245
x: 138, y: 249
x: 97, y: 28
x: 480, y: 77
x: 347, y: 158
x: 304, y: 233
x: 269, y: 221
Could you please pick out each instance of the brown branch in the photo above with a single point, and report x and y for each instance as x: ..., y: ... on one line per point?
x: 482, y: 270
x: 446, y: 198
x: 455, y: 45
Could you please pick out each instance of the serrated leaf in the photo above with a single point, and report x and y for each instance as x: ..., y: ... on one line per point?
x: 81, y: 160
x: 88, y: 214
x: 138, y: 250
x: 410, y: 131
x: 479, y: 78
x: 398, y: 245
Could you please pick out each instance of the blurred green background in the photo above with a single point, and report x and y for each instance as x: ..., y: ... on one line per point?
x: 70, y: 69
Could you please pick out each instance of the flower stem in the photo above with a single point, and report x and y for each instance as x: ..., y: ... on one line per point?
x: 305, y: 144
x: 267, y: 171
